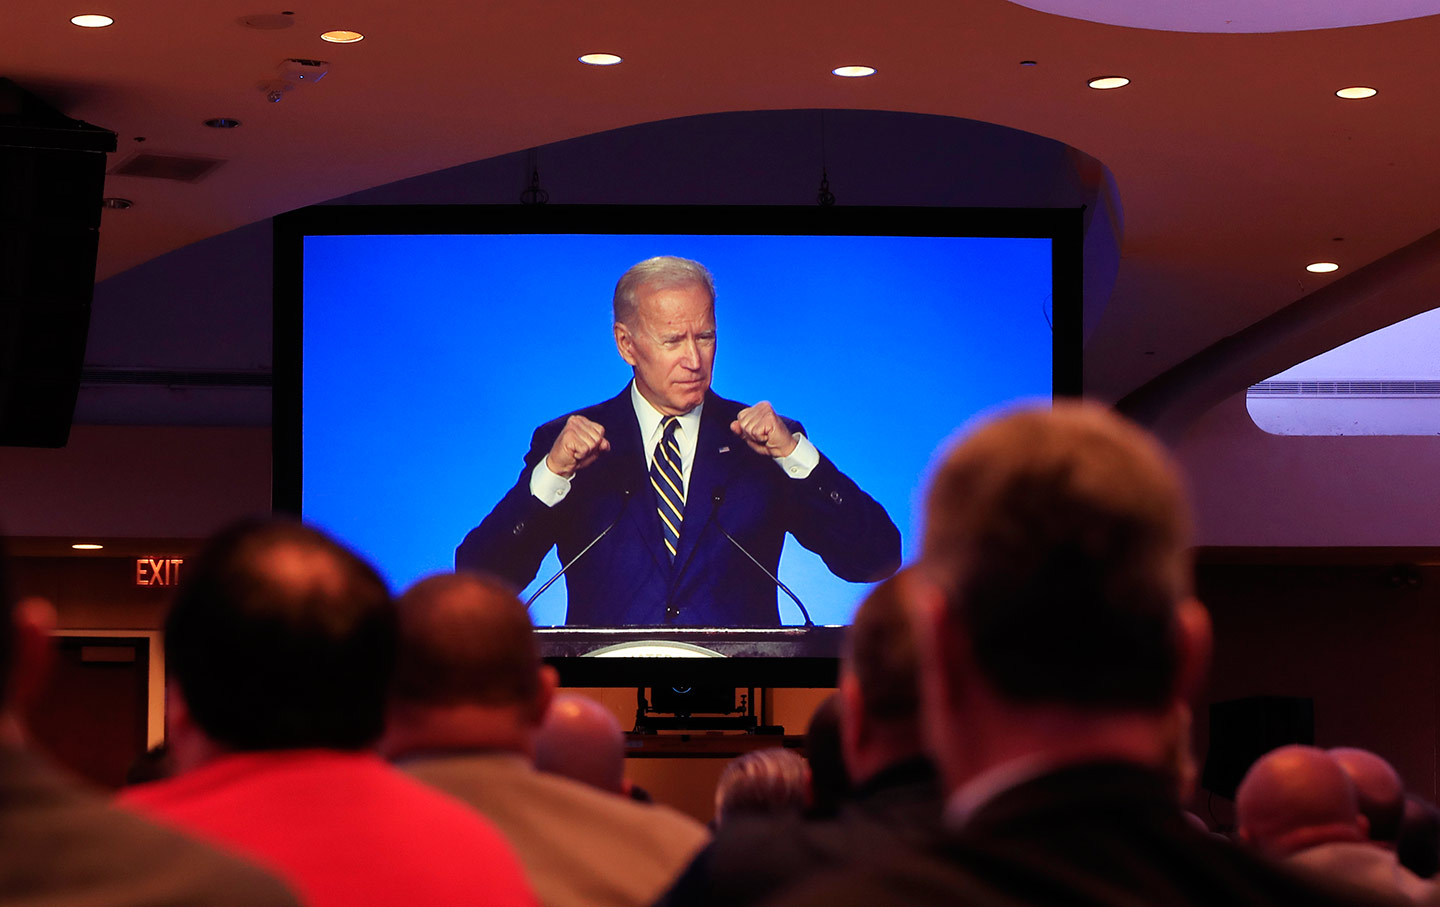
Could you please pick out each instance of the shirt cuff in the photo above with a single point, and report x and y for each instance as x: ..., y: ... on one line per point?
x: 801, y: 461
x: 547, y: 486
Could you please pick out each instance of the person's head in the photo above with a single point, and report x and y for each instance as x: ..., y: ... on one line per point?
x: 879, y: 684
x: 1294, y: 798
x: 1055, y: 577
x: 25, y: 650
x: 829, y: 778
x: 1378, y: 785
x: 763, y: 782
x: 580, y: 739
x: 278, y: 638
x: 469, y: 671
x: 664, y: 312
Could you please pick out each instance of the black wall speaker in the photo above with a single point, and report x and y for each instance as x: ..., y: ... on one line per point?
x: 1243, y: 730
x: 52, y: 178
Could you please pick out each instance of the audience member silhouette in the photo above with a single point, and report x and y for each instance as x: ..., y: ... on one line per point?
x: 1419, y: 846
x: 896, y: 799
x: 765, y: 782
x: 280, y: 646
x: 1379, y: 789
x: 1057, y: 635
x: 469, y: 697
x: 65, y: 844
x: 1299, y: 805
x: 829, y: 780
x: 580, y: 739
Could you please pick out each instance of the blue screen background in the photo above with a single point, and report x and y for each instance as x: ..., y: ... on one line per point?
x: 430, y: 359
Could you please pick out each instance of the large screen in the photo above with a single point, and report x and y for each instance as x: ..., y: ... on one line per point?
x: 418, y: 350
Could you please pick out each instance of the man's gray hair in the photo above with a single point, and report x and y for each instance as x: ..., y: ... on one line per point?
x: 663, y: 272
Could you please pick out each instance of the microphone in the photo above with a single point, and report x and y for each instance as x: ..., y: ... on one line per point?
x: 718, y: 498
x: 626, y: 493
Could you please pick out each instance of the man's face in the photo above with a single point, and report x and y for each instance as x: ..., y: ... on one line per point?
x: 671, y: 346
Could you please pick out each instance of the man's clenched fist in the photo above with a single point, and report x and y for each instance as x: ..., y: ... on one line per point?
x: 764, y: 431
x: 580, y: 443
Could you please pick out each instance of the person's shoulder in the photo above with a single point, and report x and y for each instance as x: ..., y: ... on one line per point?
x: 71, y: 839
x: 595, y: 412
x: 660, y: 824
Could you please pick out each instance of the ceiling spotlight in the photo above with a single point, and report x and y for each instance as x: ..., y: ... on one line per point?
x: 115, y: 203
x: 601, y: 59
x: 86, y: 546
x: 1107, y: 82
x: 222, y: 123
x: 340, y: 36
x: 1322, y: 267
x: 92, y: 20
x: 1356, y: 92
x: 853, y: 72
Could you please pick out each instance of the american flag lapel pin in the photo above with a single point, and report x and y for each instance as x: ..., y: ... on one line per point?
x: 725, y: 449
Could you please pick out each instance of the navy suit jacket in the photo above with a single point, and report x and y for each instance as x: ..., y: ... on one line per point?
x: 627, y: 579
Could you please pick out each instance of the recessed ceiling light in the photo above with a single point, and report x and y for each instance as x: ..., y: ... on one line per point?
x: 116, y: 203
x: 1356, y: 92
x: 601, y: 59
x: 1322, y: 267
x: 1105, y: 82
x: 340, y: 36
x: 853, y: 72
x: 86, y: 546
x: 92, y: 20
x: 222, y: 123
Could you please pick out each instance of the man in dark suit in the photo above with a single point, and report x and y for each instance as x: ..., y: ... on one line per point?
x: 1057, y: 637
x: 896, y: 799
x: 664, y: 471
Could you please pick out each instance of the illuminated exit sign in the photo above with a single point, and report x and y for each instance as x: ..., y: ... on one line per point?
x: 157, y: 571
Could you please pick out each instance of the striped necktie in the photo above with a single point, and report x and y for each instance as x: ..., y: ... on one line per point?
x: 669, y: 486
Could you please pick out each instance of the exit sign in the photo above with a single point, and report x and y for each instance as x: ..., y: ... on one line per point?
x: 157, y: 571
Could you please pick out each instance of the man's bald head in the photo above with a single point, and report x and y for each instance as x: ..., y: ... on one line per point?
x: 1378, y: 785
x: 1060, y: 537
x: 580, y: 739
x: 465, y: 639
x: 1296, y: 797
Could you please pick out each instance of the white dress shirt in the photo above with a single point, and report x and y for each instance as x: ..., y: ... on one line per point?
x: 551, y: 489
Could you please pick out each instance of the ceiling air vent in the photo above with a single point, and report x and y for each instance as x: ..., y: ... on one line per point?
x: 178, y: 167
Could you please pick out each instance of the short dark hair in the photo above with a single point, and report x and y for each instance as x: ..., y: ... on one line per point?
x: 1061, y: 538
x: 279, y: 637
x: 880, y: 652
x: 465, y: 638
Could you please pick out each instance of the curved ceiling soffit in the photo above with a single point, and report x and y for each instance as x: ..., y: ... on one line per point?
x: 1402, y: 284
x: 1237, y: 16
x: 873, y: 157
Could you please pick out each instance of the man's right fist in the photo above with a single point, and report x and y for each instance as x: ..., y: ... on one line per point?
x: 580, y: 443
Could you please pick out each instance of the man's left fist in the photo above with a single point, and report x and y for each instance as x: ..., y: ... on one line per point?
x: 764, y: 431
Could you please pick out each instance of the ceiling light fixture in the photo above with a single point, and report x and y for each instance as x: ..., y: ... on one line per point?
x: 1322, y: 267
x: 853, y: 72
x: 92, y: 20
x: 116, y: 203
x: 222, y: 123
x: 86, y: 546
x: 1104, y: 83
x: 1356, y: 92
x: 601, y: 59
x: 341, y: 36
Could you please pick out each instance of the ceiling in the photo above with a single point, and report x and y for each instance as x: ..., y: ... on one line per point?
x: 1235, y: 163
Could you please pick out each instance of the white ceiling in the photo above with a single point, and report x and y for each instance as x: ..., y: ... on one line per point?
x: 1235, y: 163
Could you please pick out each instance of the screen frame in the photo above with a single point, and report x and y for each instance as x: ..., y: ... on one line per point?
x: 1064, y: 227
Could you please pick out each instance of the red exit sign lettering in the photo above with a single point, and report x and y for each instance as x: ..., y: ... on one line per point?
x: 157, y: 571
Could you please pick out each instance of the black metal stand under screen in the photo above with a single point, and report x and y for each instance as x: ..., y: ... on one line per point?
x: 675, y: 706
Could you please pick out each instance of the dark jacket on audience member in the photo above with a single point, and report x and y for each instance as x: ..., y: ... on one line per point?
x: 752, y: 858
x: 1100, y: 834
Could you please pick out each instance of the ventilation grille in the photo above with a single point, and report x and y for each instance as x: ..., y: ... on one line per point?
x: 1417, y: 388
x: 181, y: 168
